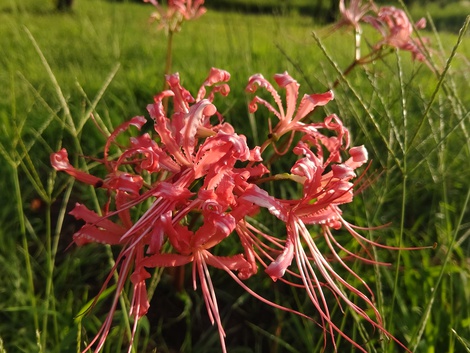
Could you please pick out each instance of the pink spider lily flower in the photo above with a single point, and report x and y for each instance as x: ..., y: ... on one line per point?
x: 396, y: 30
x: 101, y: 229
x: 198, y: 168
x: 190, y: 9
x: 327, y: 184
x: 195, y: 247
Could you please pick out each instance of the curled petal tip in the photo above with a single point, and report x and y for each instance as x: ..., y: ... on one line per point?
x: 359, y: 154
x: 60, y: 160
x: 254, y: 82
x: 284, y: 79
x: 421, y: 23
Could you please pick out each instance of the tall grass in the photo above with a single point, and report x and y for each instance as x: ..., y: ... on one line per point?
x: 106, y: 59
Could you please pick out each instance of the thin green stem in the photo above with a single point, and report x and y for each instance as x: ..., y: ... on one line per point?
x: 27, y: 258
x: 49, y: 276
x: 424, y: 318
x: 404, y: 190
x: 463, y: 30
x: 168, y: 63
x: 168, y: 58
x: 357, y: 46
x: 398, y: 260
x: 51, y: 75
x: 370, y: 115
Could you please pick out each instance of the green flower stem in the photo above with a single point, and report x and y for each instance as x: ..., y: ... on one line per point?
x: 168, y: 62
x: 27, y: 258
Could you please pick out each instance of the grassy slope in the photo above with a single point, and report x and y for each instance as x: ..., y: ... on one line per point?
x: 44, y: 285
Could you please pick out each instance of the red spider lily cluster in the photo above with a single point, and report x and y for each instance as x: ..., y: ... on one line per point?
x: 393, y: 25
x: 199, y: 183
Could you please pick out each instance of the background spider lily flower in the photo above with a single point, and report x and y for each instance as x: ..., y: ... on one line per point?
x: 171, y: 17
x: 353, y: 14
x: 396, y: 30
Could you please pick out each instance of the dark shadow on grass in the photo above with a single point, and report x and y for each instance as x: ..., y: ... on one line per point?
x: 314, y: 10
x: 35, y: 10
x: 451, y: 23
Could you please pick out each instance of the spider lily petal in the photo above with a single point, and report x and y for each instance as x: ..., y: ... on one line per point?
x: 60, y: 162
x: 215, y: 78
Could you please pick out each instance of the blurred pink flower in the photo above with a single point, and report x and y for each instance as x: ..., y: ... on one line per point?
x: 353, y: 14
x: 190, y: 9
x: 397, y: 30
x: 171, y: 17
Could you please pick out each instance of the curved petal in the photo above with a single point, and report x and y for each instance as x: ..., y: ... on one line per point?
x: 278, y: 267
x: 292, y: 92
x: 216, y: 76
x: 137, y: 121
x: 258, y: 80
x: 60, y: 162
x: 310, y: 101
x: 194, y: 119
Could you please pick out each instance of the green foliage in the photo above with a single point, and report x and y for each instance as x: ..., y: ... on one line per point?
x: 447, y: 15
x: 106, y: 59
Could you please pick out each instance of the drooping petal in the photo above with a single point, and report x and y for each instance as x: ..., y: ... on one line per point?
x: 139, y: 303
x: 97, y: 229
x: 60, y: 162
x: 277, y: 268
x: 81, y: 212
x: 358, y: 155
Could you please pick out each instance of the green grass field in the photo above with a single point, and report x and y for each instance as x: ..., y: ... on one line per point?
x: 106, y: 58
